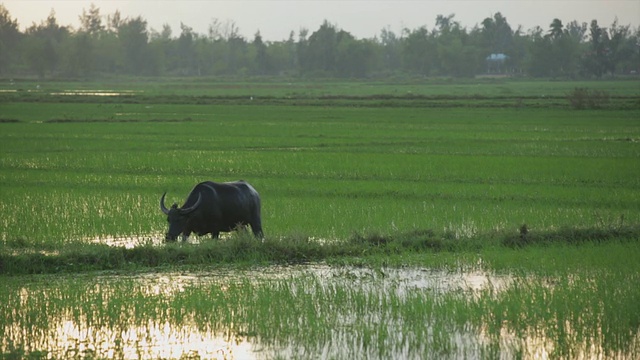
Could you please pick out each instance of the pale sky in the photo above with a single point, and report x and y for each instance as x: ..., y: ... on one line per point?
x: 275, y: 19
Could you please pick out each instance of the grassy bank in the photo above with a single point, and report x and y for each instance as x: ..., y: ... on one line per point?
x: 244, y: 250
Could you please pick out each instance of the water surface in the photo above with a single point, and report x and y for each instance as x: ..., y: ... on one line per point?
x: 310, y: 311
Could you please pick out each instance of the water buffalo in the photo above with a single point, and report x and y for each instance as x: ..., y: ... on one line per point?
x: 214, y: 207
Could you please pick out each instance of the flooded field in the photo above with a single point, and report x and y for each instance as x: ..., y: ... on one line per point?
x: 313, y: 311
x: 436, y: 225
x: 76, y: 92
x: 131, y: 241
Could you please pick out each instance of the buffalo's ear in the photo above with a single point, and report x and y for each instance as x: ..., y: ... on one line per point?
x: 174, y: 206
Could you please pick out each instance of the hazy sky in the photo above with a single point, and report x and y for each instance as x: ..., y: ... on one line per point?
x: 364, y: 18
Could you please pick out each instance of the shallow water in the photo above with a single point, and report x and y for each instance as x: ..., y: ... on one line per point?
x: 128, y: 242
x: 95, y: 92
x: 157, y: 239
x: 131, y: 241
x: 75, y: 332
x: 399, y: 280
x: 310, y: 311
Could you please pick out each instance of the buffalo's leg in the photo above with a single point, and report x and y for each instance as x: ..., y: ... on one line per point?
x: 256, y: 228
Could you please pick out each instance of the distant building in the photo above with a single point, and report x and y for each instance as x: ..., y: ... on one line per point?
x: 496, y: 63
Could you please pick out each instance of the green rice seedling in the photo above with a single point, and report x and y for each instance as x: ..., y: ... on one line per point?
x: 440, y: 180
x: 325, y: 172
x: 367, y: 180
x: 292, y: 313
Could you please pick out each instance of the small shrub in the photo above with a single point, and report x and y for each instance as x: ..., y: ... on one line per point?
x: 374, y: 239
x: 570, y: 235
x: 524, y: 230
x: 583, y: 98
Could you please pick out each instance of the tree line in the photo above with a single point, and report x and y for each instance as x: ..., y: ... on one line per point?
x: 114, y: 44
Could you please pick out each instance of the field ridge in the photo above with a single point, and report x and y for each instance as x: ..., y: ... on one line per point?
x: 17, y: 258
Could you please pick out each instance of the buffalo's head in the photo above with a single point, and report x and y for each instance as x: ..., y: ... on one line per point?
x: 177, y: 217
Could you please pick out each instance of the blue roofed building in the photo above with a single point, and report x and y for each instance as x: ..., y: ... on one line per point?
x: 496, y: 63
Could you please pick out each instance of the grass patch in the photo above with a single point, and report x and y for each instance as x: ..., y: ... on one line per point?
x: 586, y: 310
x: 359, y: 177
x: 111, y: 120
x: 570, y: 235
x: 328, y: 172
x: 323, y: 172
x: 466, y: 93
x: 242, y: 248
x: 583, y: 98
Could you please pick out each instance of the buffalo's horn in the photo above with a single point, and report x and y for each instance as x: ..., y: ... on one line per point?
x: 162, y: 207
x: 193, y: 207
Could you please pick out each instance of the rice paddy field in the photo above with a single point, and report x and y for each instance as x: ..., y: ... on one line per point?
x: 435, y: 219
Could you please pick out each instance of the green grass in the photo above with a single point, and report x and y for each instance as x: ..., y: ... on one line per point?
x: 322, y: 172
x: 278, y: 88
x: 486, y: 176
x: 444, y: 249
x: 148, y: 95
x: 584, y: 309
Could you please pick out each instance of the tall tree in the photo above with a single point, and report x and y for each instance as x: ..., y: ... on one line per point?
x: 186, y: 51
x: 114, y: 22
x: 577, y: 31
x: 538, y: 53
x: 497, y: 34
x: 115, y: 44
x: 555, y: 41
x: 354, y: 58
x: 457, y: 53
x: 320, y: 56
x: 236, y: 49
x: 302, y: 49
x: 566, y: 47
x: 162, y: 48
x: 445, y: 23
x: 79, y: 56
x: 619, y: 46
x: 133, y: 37
x: 556, y: 29
x: 291, y: 62
x: 9, y: 39
x: 391, y: 50
x: 262, y: 60
x: 419, y: 51
x: 108, y: 48
x: 596, y: 60
x: 91, y: 21
x: 518, y: 51
x: 43, y: 45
